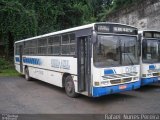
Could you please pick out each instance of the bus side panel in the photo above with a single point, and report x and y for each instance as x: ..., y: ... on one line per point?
x: 17, y: 67
x: 17, y: 63
x: 46, y: 76
x: 54, y: 78
x: 51, y: 69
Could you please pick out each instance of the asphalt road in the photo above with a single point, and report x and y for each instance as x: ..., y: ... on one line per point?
x: 19, y: 96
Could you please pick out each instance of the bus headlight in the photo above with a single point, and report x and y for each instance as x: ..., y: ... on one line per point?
x: 144, y: 75
x: 104, y: 82
x: 147, y: 75
x: 135, y: 78
x: 96, y: 83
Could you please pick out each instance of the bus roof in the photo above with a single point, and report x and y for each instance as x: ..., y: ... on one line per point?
x: 59, y: 32
x: 70, y: 30
x: 141, y: 31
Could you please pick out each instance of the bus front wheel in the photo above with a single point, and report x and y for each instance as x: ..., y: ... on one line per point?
x: 27, y: 77
x: 69, y: 87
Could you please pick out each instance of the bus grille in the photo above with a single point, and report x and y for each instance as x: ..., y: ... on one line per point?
x: 155, y: 74
x: 115, y: 81
x: 126, y: 80
x: 121, y: 81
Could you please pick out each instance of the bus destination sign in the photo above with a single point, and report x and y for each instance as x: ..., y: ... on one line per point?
x: 115, y: 28
x: 156, y: 35
x: 103, y: 28
x: 122, y: 29
x: 151, y: 34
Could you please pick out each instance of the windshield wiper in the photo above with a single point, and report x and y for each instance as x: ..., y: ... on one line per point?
x: 132, y: 63
x: 120, y: 50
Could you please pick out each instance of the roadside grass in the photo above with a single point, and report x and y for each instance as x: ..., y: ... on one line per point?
x: 9, y: 72
x: 7, y: 68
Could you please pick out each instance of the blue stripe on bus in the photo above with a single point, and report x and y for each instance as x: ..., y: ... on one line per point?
x: 109, y: 71
x: 147, y: 81
x: 17, y: 59
x: 34, y: 61
x: 100, y: 91
x: 152, y: 67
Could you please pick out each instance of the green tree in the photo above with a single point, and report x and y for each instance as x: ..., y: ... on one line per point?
x: 20, y: 19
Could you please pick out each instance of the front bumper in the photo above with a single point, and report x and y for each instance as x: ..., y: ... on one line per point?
x: 147, y: 81
x: 100, y: 91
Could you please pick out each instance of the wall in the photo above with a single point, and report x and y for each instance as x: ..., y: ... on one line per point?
x: 144, y: 15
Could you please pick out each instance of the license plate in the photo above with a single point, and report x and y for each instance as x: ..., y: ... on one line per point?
x: 122, y: 87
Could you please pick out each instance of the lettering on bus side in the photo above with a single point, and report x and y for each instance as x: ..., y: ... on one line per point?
x: 65, y: 64
x: 62, y: 64
x: 55, y: 63
x: 130, y: 69
x: 40, y: 72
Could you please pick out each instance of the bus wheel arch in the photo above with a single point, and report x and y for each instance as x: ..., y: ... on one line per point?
x: 26, y: 72
x: 64, y: 78
x: 25, y: 67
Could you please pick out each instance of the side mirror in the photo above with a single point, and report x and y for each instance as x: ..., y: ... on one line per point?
x: 94, y: 37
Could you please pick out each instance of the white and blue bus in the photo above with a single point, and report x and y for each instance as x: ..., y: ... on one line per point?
x: 150, y: 56
x: 93, y: 60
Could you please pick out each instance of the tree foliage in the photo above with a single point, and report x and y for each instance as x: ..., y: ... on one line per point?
x: 21, y: 19
x: 15, y: 19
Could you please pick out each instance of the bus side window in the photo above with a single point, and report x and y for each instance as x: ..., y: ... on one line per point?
x: 65, y: 44
x: 72, y: 43
x: 42, y: 46
x: 68, y: 44
x: 54, y: 45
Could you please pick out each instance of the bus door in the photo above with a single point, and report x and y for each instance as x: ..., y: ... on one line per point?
x: 21, y: 59
x: 84, y: 63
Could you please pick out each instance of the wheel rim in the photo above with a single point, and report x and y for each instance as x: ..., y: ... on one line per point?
x: 69, y: 86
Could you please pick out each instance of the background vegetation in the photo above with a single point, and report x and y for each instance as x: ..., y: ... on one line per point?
x: 20, y: 19
x: 7, y: 68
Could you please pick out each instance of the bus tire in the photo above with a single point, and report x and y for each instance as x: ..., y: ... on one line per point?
x: 27, y: 77
x: 69, y: 87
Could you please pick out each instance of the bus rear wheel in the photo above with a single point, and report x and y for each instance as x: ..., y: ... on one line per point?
x: 27, y: 77
x: 69, y: 87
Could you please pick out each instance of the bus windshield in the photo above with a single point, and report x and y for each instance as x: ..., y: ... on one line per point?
x: 111, y: 51
x: 151, y: 50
